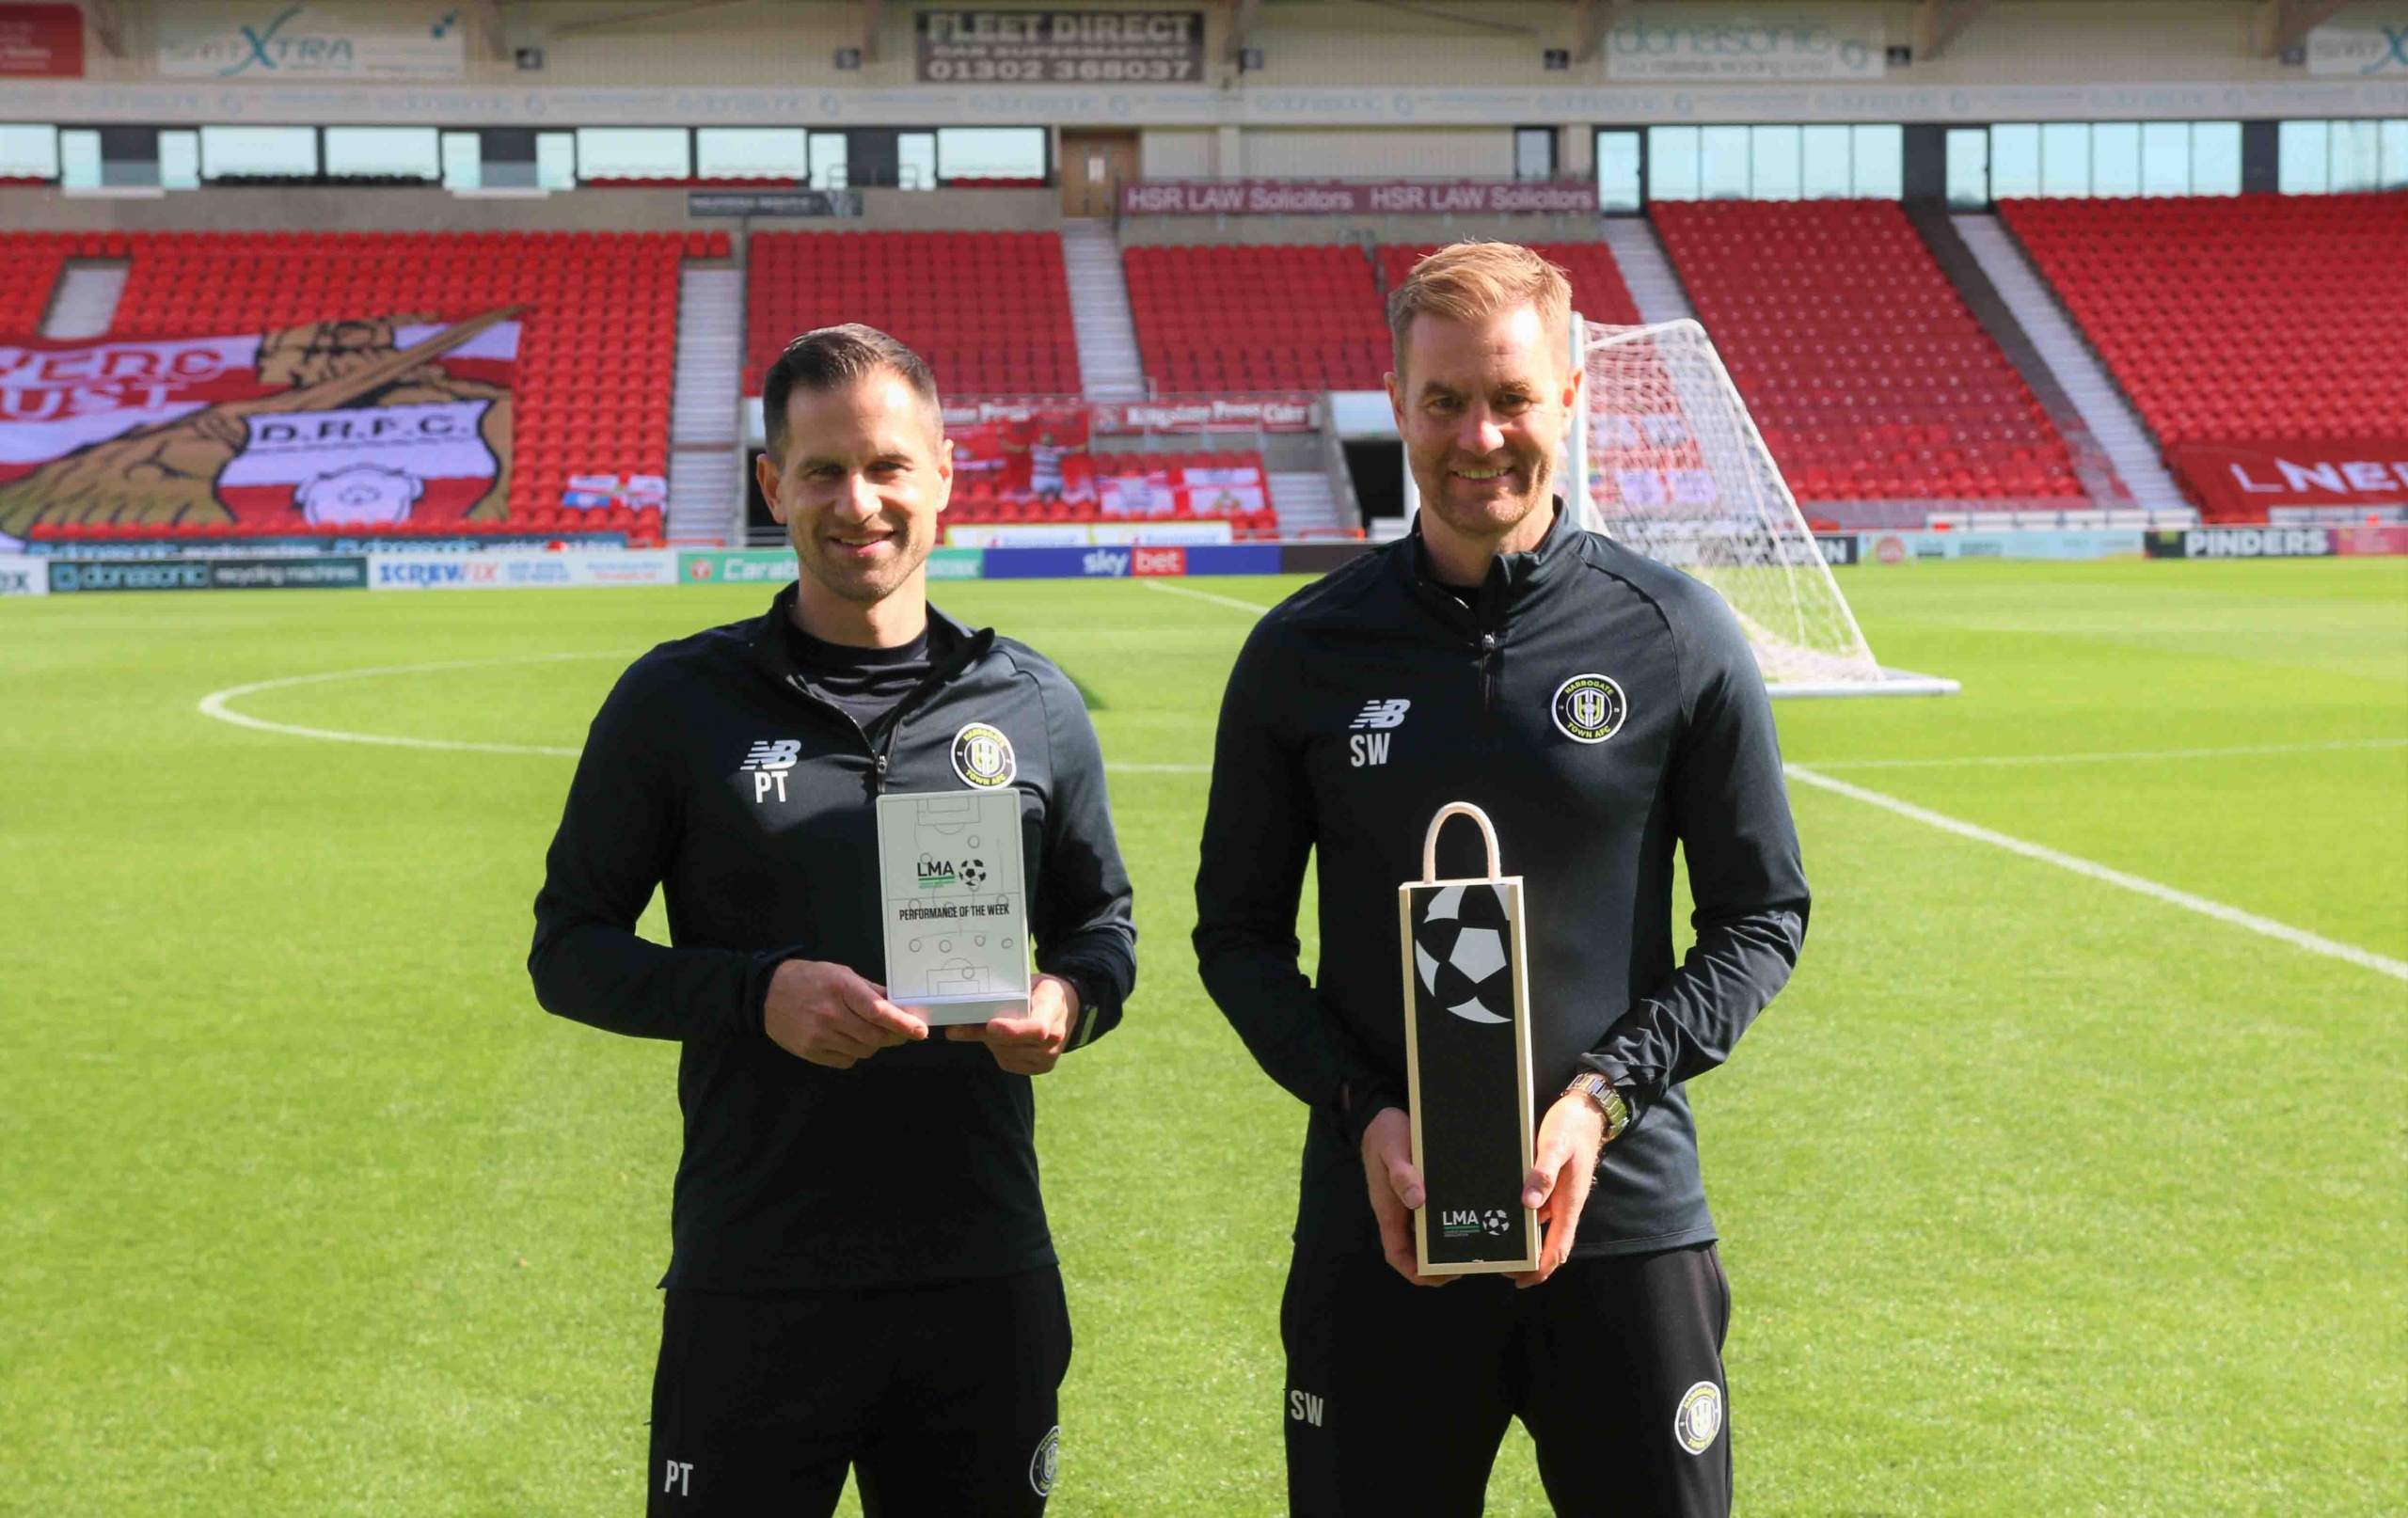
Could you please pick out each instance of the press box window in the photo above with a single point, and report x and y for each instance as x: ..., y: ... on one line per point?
x: 28, y: 151
x: 253, y: 152
x: 751, y: 153
x: 633, y: 154
x: 385, y: 153
x: 990, y: 153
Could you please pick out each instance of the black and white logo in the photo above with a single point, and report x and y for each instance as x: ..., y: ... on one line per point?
x: 1371, y: 732
x: 768, y: 762
x: 1589, y: 708
x: 1046, y: 1462
x: 1381, y: 715
x: 1460, y: 951
x: 983, y: 757
x: 1698, y: 1418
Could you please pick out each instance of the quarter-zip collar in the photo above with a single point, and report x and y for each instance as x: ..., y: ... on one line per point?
x: 773, y: 656
x: 1512, y: 581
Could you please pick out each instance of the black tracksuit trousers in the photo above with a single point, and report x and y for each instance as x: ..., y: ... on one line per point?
x: 1399, y: 1395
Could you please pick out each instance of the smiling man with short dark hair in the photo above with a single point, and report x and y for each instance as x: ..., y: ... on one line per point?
x: 861, y: 1276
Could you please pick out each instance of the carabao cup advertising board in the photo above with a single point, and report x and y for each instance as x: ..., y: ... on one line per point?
x: 775, y: 566
x: 520, y: 571
x: 367, y: 424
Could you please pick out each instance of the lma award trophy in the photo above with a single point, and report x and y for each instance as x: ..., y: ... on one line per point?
x: 1467, y: 1061
x: 954, y: 903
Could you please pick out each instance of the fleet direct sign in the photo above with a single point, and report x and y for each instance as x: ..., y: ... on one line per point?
x: 1061, y: 47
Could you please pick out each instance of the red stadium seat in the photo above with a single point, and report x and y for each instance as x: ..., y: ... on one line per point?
x: 1867, y: 374
x: 2236, y: 320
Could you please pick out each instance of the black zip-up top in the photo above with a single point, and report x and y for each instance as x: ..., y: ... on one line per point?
x: 1366, y: 702
x: 715, y: 772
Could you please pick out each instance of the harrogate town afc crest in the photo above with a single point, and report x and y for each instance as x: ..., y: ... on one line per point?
x: 1044, y: 1466
x: 1589, y: 708
x: 983, y: 757
x: 1698, y: 1418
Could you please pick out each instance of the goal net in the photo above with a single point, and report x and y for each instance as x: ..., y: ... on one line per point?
x: 1676, y: 470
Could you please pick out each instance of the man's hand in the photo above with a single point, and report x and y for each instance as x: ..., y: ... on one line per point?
x: 1029, y: 1045
x: 1396, y: 1191
x: 1566, y: 1164
x: 828, y: 1015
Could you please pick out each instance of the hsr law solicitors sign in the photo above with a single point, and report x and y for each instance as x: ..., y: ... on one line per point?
x: 1356, y: 198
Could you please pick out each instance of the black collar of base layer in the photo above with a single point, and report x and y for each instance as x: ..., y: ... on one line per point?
x: 773, y: 652
x: 1511, y: 580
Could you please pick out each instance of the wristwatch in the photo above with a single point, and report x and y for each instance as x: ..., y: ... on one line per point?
x: 1609, y: 1101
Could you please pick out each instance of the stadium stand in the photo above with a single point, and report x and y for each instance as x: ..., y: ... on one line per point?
x: 2244, y: 321
x: 1258, y: 317
x: 989, y: 311
x: 1597, y: 288
x: 29, y: 265
x: 591, y: 398
x: 1123, y: 487
x: 1866, y: 374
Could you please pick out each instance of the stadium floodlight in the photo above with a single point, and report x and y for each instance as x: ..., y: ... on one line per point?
x: 1675, y: 469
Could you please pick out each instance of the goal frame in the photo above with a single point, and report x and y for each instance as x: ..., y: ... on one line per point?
x: 1890, y: 682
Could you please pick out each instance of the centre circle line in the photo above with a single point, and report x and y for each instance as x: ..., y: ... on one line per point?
x: 215, y: 704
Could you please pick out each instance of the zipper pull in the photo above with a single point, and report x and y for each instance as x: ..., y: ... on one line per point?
x: 879, y: 780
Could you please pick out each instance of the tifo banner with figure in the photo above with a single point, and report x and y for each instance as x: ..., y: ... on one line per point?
x: 2248, y: 481
x: 352, y: 423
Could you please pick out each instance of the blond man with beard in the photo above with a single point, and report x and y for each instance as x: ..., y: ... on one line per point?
x: 1602, y: 709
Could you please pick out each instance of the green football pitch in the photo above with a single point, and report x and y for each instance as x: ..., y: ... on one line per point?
x: 2041, y: 1192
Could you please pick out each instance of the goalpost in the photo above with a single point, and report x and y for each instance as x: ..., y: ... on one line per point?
x: 1674, y: 466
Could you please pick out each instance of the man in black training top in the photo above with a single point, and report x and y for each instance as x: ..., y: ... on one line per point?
x: 861, y: 1273
x: 1601, y: 708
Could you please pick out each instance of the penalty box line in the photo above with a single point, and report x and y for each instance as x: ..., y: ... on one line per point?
x: 2297, y: 936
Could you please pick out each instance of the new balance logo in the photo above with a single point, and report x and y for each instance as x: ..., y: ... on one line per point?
x: 1373, y: 748
x: 1305, y: 1408
x: 768, y: 762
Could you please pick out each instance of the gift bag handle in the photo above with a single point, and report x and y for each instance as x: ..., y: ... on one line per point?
x: 1430, y: 840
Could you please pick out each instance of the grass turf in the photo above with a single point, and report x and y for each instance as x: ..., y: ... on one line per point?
x: 2037, y: 1195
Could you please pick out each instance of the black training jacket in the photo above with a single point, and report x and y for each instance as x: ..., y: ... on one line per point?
x: 920, y: 1162
x: 1364, y: 703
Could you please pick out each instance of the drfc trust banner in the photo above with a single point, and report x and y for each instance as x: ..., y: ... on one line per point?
x: 348, y: 423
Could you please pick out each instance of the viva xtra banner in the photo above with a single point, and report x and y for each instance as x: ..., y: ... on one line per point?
x: 363, y: 424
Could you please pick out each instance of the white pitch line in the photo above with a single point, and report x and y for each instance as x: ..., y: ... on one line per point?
x: 2300, y: 937
x: 2337, y: 745
x: 215, y: 704
x: 1256, y: 607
